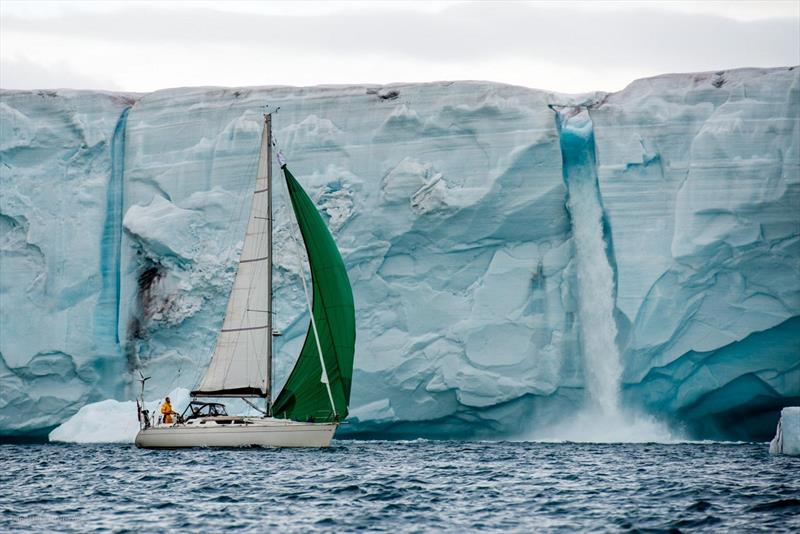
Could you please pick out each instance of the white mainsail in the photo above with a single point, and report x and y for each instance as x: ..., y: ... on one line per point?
x: 240, y: 365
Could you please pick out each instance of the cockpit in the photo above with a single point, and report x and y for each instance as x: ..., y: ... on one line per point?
x: 203, y: 409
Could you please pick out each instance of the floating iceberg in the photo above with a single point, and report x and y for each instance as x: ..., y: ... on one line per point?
x: 111, y: 421
x: 121, y: 218
x: 787, y: 436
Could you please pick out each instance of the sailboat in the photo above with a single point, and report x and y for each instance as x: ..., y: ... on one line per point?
x: 314, y: 400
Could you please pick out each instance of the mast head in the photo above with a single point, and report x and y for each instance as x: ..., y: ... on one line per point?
x: 268, y: 113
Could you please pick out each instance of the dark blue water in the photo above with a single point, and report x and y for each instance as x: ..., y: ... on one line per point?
x: 401, y: 486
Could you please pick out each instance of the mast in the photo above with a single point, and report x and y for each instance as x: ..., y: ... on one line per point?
x: 268, y: 140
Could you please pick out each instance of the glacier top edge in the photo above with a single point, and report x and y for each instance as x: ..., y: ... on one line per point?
x: 700, y: 76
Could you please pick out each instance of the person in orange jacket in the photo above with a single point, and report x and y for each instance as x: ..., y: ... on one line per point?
x: 166, y: 411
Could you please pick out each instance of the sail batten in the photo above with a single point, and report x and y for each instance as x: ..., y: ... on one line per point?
x: 245, y: 328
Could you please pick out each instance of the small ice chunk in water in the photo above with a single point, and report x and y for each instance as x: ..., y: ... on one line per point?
x: 787, y: 436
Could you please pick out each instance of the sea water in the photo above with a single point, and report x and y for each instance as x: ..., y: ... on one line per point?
x: 395, y: 486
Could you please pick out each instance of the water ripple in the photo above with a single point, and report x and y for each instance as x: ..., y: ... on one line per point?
x: 408, y: 486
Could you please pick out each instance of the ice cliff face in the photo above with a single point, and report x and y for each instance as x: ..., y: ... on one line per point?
x: 707, y: 248
x: 122, y: 220
x: 59, y: 266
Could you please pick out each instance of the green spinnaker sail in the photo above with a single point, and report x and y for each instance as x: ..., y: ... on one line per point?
x: 305, y: 396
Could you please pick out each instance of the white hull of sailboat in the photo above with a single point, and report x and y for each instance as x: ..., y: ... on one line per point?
x: 254, y: 433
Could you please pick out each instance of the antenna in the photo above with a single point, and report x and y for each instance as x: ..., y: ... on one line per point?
x: 142, y: 379
x: 144, y: 420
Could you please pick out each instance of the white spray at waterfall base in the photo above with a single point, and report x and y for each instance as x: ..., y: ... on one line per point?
x: 593, y: 426
x: 602, y: 419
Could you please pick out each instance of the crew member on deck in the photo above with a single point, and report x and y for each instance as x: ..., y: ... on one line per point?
x: 166, y: 411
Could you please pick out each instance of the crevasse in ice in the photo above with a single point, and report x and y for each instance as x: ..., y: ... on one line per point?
x: 121, y: 218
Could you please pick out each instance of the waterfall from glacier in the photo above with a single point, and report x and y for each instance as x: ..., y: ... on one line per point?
x: 598, y: 330
x: 602, y: 419
x: 107, y: 316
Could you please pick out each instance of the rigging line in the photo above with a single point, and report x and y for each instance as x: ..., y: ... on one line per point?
x: 238, y: 213
x: 324, y: 377
x: 252, y: 405
x: 300, y: 253
x: 243, y: 329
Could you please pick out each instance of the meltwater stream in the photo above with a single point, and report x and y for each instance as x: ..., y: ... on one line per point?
x: 595, y: 277
x: 602, y: 418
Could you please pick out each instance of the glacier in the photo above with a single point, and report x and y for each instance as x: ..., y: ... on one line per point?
x: 122, y: 216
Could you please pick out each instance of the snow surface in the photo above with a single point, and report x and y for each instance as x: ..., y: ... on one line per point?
x: 121, y: 220
x: 787, y: 436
